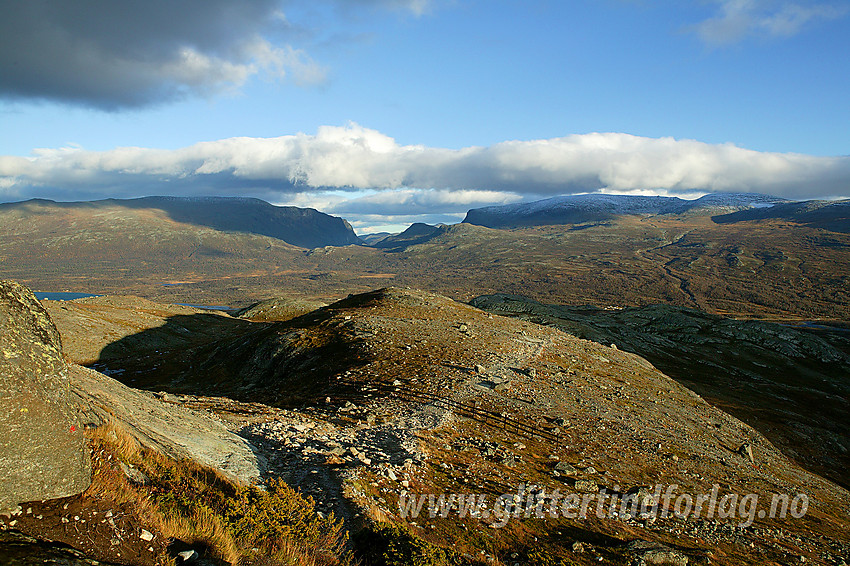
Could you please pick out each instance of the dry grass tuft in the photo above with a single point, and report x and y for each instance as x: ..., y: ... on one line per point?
x: 238, y: 524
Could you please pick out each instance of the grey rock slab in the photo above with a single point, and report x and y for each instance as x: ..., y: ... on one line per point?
x: 174, y: 430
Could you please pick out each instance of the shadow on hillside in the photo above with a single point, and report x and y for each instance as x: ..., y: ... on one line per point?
x: 161, y: 358
x: 206, y: 355
x: 303, y: 227
x: 179, y: 332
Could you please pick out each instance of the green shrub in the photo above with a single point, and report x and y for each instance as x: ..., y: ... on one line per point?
x: 384, y: 544
x: 269, y: 518
x: 184, y: 500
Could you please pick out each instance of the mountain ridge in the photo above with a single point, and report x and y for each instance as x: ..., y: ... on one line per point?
x: 576, y: 209
x: 302, y: 227
x: 416, y: 233
x: 829, y: 215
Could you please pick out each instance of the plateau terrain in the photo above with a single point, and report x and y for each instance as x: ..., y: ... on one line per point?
x: 581, y: 380
x: 424, y: 283
x: 646, y: 251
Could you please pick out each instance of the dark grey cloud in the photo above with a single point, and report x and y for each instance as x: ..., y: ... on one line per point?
x: 112, y: 54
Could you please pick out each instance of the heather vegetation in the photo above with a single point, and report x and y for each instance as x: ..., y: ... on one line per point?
x: 184, y: 501
x: 619, y: 356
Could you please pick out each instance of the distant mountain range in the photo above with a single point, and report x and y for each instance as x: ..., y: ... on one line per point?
x: 598, y: 208
x: 577, y: 209
x: 747, y: 255
x: 829, y: 215
x: 302, y: 227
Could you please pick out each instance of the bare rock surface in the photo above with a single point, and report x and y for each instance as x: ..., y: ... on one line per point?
x: 42, y: 450
x: 174, y: 430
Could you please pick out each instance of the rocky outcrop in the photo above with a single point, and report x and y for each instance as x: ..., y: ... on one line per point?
x: 161, y: 425
x: 43, y: 454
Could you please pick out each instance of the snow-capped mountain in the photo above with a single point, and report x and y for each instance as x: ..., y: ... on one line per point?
x: 574, y: 209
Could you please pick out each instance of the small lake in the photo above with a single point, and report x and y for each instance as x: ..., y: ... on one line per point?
x: 63, y: 296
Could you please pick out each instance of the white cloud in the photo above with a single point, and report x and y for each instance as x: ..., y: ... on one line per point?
x: 769, y: 18
x: 354, y: 158
x: 417, y: 202
x: 277, y: 61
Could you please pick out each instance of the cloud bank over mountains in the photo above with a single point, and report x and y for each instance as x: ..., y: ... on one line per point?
x: 126, y: 57
x: 354, y: 158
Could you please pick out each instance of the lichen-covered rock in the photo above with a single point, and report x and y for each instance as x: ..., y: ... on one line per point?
x: 43, y: 454
x: 648, y: 553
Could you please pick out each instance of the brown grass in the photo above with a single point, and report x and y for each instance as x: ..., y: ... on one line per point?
x: 197, y: 505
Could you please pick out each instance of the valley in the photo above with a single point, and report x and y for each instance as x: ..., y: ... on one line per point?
x: 770, y: 268
x: 613, y: 348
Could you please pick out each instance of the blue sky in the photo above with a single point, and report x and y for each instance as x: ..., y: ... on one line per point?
x: 393, y: 111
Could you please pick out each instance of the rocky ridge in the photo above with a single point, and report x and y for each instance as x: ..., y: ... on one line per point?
x: 400, y: 392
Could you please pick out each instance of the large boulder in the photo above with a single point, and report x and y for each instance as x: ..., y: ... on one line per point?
x: 162, y: 425
x: 43, y: 453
